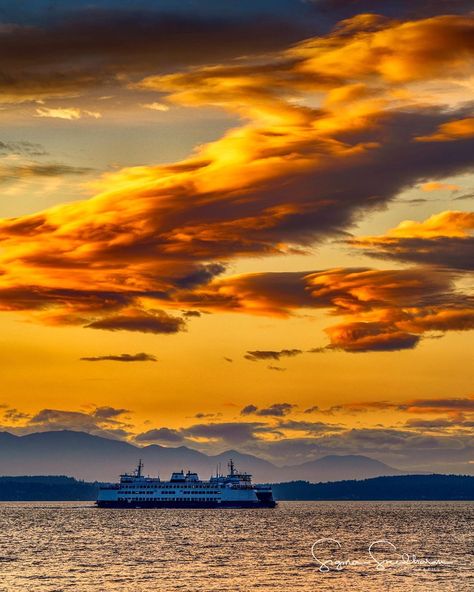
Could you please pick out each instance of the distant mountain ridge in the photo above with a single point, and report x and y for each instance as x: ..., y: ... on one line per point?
x: 339, y: 467
x: 401, y: 487
x: 94, y: 458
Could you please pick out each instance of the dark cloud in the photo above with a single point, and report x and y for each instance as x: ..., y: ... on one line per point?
x: 202, y: 274
x: 141, y: 321
x: 188, y: 314
x: 140, y: 357
x: 92, y: 47
x: 82, y: 302
x: 248, y: 410
x: 272, y: 355
x: 430, y: 405
x: 14, y: 416
x: 276, y: 368
x: 321, y: 350
x: 228, y: 433
x: 14, y: 172
x: 165, y: 435
x: 440, y: 424
x: 275, y: 410
x: 447, y: 405
x: 449, y: 252
x: 205, y: 415
x: 106, y: 413
x: 22, y: 148
x: 232, y: 433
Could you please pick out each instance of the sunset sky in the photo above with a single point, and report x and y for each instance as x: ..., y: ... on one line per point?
x: 240, y: 225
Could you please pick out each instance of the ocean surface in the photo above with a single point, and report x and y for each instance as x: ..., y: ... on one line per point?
x: 75, y: 546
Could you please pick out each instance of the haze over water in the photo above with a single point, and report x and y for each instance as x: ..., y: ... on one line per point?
x: 46, y: 547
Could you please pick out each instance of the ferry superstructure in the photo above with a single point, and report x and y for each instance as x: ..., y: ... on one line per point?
x: 185, y: 490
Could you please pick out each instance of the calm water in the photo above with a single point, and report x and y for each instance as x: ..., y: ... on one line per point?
x: 74, y: 546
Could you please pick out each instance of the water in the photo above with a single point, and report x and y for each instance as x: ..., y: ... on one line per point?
x: 51, y: 547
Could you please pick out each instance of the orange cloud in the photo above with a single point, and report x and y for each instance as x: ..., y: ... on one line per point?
x: 382, y: 310
x: 457, y: 129
x: 398, y: 52
x: 437, y: 186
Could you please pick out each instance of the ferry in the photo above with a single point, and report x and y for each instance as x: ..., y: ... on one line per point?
x: 185, y: 490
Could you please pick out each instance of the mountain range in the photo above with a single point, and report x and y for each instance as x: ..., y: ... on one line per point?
x: 94, y: 458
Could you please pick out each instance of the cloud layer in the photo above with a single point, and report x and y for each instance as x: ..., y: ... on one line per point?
x: 437, y: 435
x: 382, y: 310
x: 322, y: 124
x: 416, y: 434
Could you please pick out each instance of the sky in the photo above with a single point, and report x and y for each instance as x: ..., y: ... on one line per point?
x: 240, y: 225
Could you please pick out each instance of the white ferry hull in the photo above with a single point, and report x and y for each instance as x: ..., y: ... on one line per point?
x: 185, y: 504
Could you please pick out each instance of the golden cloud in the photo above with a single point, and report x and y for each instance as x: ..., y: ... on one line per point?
x: 69, y: 113
x: 445, y: 239
x: 452, y: 130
